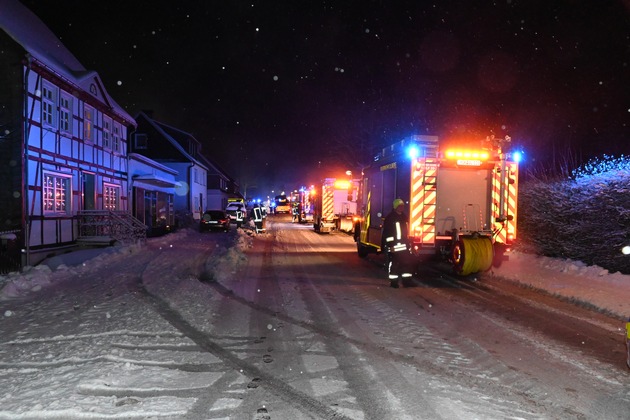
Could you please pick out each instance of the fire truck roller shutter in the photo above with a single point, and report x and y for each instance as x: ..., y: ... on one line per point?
x: 472, y: 255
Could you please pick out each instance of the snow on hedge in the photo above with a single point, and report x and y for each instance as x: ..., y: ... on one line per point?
x: 585, y: 218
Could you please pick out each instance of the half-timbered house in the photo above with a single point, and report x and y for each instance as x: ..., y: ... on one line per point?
x: 63, y: 145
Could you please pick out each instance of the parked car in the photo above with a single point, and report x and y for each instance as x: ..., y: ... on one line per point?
x: 232, y: 209
x: 214, y: 220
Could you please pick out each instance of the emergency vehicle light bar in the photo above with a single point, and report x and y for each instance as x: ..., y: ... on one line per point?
x: 342, y: 185
x: 413, y: 152
x: 466, y: 154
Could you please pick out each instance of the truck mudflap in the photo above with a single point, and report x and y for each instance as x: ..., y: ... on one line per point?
x: 501, y: 254
x: 472, y: 254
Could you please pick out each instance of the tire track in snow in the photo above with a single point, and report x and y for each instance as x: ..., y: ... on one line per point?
x: 280, y: 387
x: 96, y: 300
x: 503, y: 312
x: 378, y: 310
x: 425, y: 363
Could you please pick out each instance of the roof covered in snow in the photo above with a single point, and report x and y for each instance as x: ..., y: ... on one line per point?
x: 26, y: 29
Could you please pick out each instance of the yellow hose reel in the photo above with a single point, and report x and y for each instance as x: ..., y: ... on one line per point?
x: 472, y: 255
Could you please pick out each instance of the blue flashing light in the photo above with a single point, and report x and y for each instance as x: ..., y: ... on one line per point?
x: 413, y: 152
x: 517, y: 156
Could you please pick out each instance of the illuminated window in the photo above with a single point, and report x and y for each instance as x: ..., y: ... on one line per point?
x: 56, y: 193
x: 88, y: 123
x: 49, y: 104
x: 107, y: 132
x: 111, y: 197
x: 65, y: 113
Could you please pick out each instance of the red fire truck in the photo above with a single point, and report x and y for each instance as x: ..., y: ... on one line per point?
x: 461, y: 202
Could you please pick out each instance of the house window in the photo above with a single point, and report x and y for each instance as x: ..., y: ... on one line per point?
x: 111, y: 197
x: 88, y: 123
x: 107, y: 132
x: 141, y: 141
x: 56, y: 193
x: 116, y: 137
x: 49, y: 105
x: 65, y: 113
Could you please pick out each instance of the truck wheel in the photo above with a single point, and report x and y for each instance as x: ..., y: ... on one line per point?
x: 362, y: 250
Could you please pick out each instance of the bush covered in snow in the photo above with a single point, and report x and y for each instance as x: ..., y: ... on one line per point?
x: 584, y: 217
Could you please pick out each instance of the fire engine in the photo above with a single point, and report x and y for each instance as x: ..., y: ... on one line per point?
x: 303, y: 200
x: 335, y: 204
x: 461, y: 203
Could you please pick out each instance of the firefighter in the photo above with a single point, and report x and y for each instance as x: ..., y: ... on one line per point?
x: 394, y: 242
x: 239, y: 218
x: 295, y: 211
x: 259, y: 218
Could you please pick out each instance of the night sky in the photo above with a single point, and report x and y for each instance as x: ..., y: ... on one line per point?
x: 282, y: 91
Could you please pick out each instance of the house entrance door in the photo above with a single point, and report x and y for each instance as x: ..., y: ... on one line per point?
x: 89, y: 192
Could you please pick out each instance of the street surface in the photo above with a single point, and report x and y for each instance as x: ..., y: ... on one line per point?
x: 299, y: 327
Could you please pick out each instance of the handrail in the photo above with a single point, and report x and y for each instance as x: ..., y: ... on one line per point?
x: 116, y: 225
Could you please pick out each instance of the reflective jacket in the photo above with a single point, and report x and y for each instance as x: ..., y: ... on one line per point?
x: 395, y: 232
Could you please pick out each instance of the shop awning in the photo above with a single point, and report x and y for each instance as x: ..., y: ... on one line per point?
x: 156, y: 180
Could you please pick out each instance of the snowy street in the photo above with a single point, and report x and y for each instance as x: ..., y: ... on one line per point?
x: 291, y: 324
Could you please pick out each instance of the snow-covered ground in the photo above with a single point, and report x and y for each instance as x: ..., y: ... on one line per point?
x: 72, y: 368
x: 61, y: 350
x: 573, y: 280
